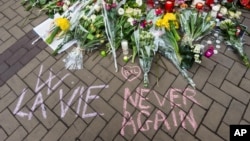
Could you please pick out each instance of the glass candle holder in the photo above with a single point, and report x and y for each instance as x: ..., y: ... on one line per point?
x: 169, y: 6
x: 124, y: 45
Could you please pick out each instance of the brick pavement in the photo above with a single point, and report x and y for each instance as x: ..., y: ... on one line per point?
x: 41, y: 100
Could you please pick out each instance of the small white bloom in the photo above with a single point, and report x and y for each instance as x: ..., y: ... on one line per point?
x: 67, y: 2
x: 93, y: 17
x: 129, y: 11
x: 97, y: 7
x: 65, y: 7
x: 223, y: 10
x: 139, y: 2
x: 130, y: 20
x: 120, y: 11
x: 215, y: 51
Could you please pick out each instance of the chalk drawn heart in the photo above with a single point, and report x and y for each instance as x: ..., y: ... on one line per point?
x: 131, y: 72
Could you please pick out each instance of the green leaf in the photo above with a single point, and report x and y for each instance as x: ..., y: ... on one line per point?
x: 43, y: 2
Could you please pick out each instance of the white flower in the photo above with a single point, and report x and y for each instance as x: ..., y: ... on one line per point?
x: 223, y: 10
x: 120, y: 11
x: 93, y: 17
x: 65, y: 7
x: 129, y: 10
x: 131, y: 20
x: 139, y: 2
x: 67, y: 2
x: 97, y: 7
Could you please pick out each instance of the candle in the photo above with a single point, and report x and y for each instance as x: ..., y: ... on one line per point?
x: 150, y: 3
x: 209, y: 52
x: 169, y: 6
x: 199, y: 6
x: 124, y: 45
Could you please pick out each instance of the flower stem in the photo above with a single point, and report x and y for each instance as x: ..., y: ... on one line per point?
x: 51, y: 37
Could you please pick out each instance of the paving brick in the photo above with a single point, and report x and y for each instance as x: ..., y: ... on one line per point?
x: 109, y: 131
x: 3, y: 21
x: 161, y: 136
x: 247, y: 74
x: 54, y: 97
x: 164, y: 82
x: 6, y: 5
x: 20, y: 43
x: 235, y: 92
x: 92, y: 60
x: 130, y: 85
x: 9, y: 13
x: 69, y: 117
x: 11, y: 71
x: 245, y: 83
x: 42, y: 55
x: 166, y: 64
x: 193, y: 118
x: 16, y: 56
x: 102, y: 73
x: 16, y: 5
x: 7, y: 44
x: 29, y: 125
x: 94, y: 129
x: 224, y: 131
x: 218, y: 75
x: 197, y: 97
x: 74, y: 131
x: 243, y: 122
x: 183, y: 134
x: 223, y: 60
x: 16, y: 32
x: 217, y: 95
x: 236, y: 73
x: 116, y: 100
x: 39, y: 20
x: 16, y: 84
x: 234, y: 113
x: 212, y: 120
x: 106, y: 61
x: 174, y: 120
x: 113, y: 86
x: 19, y: 134
x: 3, y: 135
x: 48, y: 122
x: 4, y: 34
x: 157, y: 70
x: 6, y: 100
x: 119, y: 138
x: 140, y: 137
x: 247, y: 113
x: 26, y: 95
x: 206, y: 135
x: 3, y: 67
x: 208, y: 63
x: 56, y: 132
x: 29, y: 55
x: 45, y: 65
x: 12, y: 23
x: 37, y: 133
x: 58, y: 66
x: 4, y: 90
x: 70, y: 81
x: 8, y: 122
x: 180, y: 82
x: 233, y: 55
x: 22, y: 12
x: 5, y: 55
x: 100, y: 106
x: 28, y: 68
x: 200, y: 77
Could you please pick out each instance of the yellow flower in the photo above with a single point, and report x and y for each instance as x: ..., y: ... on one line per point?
x: 164, y: 22
x: 63, y: 23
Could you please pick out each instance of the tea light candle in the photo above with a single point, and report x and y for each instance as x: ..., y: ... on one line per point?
x: 169, y: 6
x: 209, y: 52
x: 124, y: 45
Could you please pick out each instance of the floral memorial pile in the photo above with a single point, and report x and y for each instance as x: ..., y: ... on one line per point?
x: 176, y: 29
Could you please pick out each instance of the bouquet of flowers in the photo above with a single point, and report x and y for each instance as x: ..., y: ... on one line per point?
x: 170, y: 49
x: 231, y: 33
x: 195, y: 25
